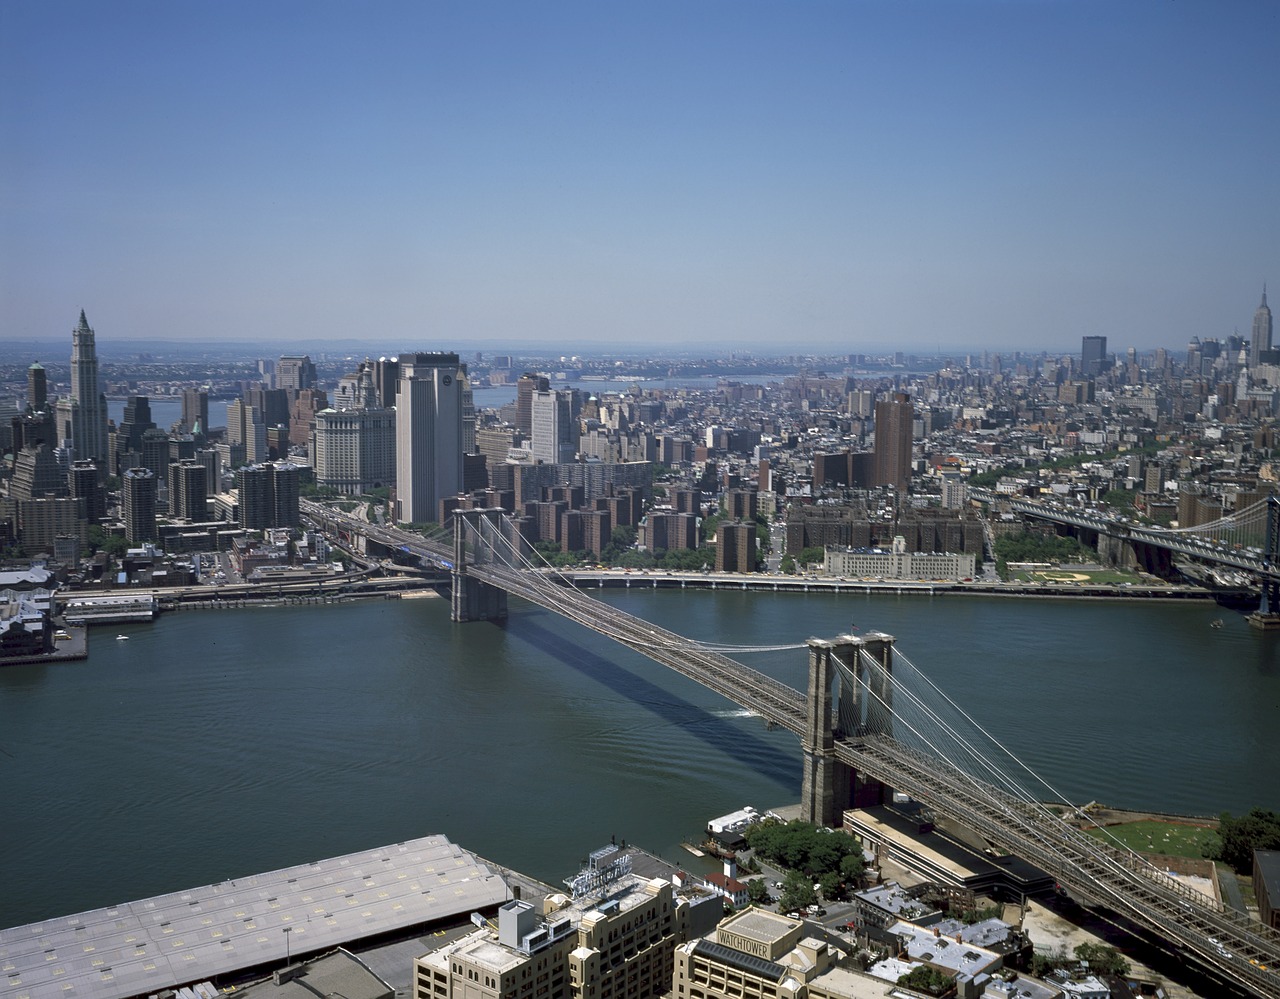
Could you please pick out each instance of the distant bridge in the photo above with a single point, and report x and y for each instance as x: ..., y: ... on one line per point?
x: 1247, y: 540
x: 862, y: 732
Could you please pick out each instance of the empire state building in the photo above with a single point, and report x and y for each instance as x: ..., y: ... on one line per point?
x: 82, y: 418
x: 1261, y: 339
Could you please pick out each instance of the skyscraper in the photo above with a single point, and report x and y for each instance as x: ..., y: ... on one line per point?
x: 1093, y: 355
x: 195, y: 411
x: 37, y: 388
x: 525, y: 387
x: 246, y: 427
x: 1261, y: 340
x: 554, y: 438
x: 894, y: 418
x: 82, y: 418
x: 139, y: 502
x: 428, y: 435
x: 188, y: 493
x: 295, y: 373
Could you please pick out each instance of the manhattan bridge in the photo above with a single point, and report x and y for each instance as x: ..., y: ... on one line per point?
x: 869, y: 722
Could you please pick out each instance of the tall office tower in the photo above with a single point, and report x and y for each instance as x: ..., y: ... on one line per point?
x: 468, y: 415
x: 295, y: 373
x: 302, y: 418
x: 525, y: 388
x: 155, y: 452
x: 135, y: 422
x: 1093, y: 355
x: 195, y: 411
x: 246, y: 427
x: 273, y: 404
x: 212, y: 462
x: 82, y: 481
x: 554, y: 432
x: 37, y: 388
x: 37, y: 474
x: 386, y: 375
x: 428, y: 435
x: 188, y: 493
x: 267, y: 371
x: 139, y: 500
x: 1261, y: 340
x: 82, y: 418
x: 894, y: 419
x: 736, y: 546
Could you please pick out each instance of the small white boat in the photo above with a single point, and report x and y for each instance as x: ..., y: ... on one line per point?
x: 1216, y: 623
x: 122, y: 638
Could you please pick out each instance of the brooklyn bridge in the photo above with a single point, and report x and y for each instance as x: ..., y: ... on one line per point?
x: 865, y: 733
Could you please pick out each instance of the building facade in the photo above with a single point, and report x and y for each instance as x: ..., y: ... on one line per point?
x: 898, y: 563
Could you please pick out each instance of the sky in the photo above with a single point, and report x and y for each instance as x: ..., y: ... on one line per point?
x: 849, y: 176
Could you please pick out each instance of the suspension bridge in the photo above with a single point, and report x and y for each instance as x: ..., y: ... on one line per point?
x: 870, y: 722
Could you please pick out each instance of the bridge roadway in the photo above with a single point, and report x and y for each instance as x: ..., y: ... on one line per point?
x: 1189, y: 544
x: 1223, y: 941
x: 775, y: 702
x: 1240, y: 949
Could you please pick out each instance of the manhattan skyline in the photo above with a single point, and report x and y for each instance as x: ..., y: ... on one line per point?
x: 842, y: 177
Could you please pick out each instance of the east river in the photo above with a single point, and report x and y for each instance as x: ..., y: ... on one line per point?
x: 216, y: 744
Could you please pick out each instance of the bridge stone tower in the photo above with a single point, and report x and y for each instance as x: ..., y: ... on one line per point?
x: 471, y: 598
x: 864, y: 707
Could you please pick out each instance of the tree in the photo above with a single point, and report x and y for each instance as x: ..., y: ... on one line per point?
x: 811, y: 556
x: 787, y: 565
x: 1102, y: 959
x: 1259, y: 830
x: 924, y: 978
x: 830, y: 884
x: 758, y: 891
x: 797, y: 892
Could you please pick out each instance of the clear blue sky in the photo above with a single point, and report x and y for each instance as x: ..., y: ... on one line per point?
x: 845, y: 175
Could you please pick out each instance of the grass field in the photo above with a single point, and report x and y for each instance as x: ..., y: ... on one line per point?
x: 1154, y: 836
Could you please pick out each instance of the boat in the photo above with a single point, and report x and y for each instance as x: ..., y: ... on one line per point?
x: 1216, y: 623
x: 122, y: 638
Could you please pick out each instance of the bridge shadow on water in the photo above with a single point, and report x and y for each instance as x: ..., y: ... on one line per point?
x: 718, y: 733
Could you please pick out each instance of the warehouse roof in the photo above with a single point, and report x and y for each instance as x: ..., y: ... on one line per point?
x: 139, y: 948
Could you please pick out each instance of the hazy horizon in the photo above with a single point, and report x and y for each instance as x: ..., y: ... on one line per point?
x: 843, y: 177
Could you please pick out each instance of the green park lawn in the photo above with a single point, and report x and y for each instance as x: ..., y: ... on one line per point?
x: 1154, y: 836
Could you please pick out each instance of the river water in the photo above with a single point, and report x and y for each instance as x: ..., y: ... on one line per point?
x: 216, y: 744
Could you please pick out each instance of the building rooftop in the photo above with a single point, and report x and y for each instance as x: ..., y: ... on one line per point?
x: 141, y: 947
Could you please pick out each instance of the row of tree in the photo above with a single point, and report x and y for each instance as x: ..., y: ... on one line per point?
x: 811, y: 854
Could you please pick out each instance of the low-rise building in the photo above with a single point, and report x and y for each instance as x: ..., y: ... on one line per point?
x: 898, y: 563
x: 612, y: 937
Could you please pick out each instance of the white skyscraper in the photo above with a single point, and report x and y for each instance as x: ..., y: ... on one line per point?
x: 429, y: 437
x: 82, y: 418
x: 555, y: 438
